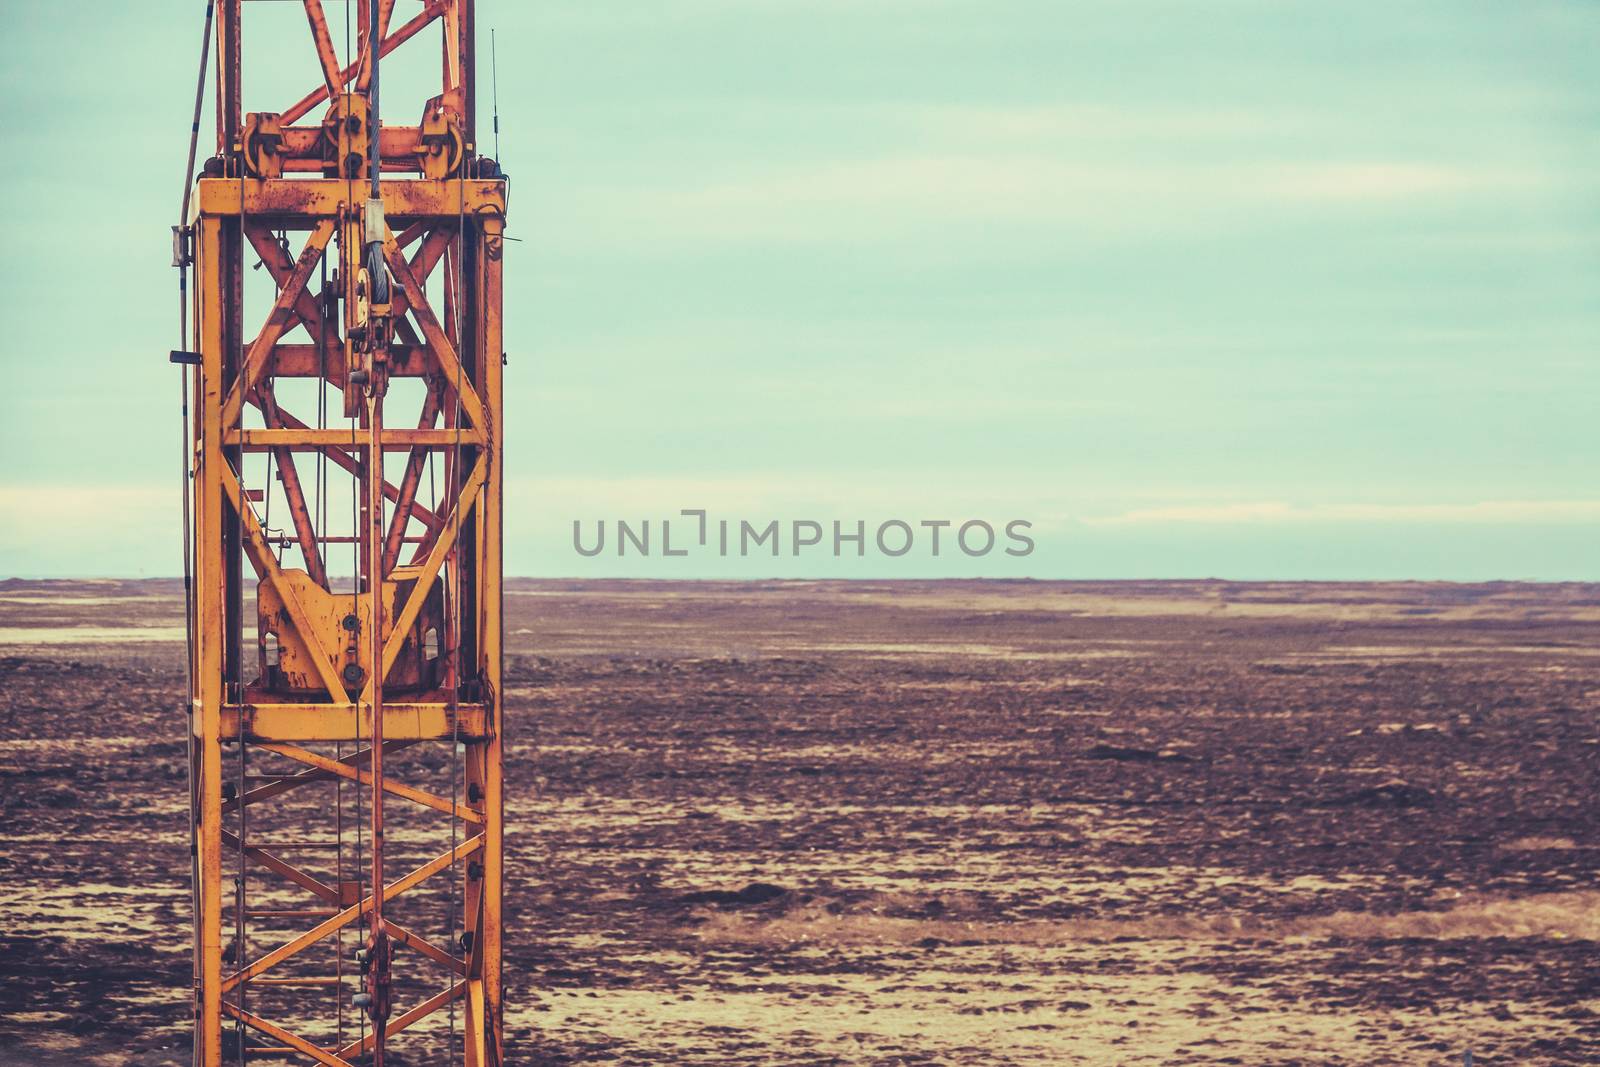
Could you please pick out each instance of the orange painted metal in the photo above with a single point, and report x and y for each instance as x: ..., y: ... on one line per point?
x: 352, y: 662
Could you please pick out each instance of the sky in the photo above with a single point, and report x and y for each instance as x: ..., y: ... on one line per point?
x: 1251, y: 290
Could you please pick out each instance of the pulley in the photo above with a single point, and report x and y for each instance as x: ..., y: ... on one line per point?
x: 376, y: 959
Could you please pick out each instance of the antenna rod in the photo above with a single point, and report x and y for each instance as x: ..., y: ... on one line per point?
x: 194, y: 127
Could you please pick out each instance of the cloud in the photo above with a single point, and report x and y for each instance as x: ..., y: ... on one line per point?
x: 859, y: 494
x: 1386, y: 180
x: 57, y: 509
x: 846, y: 200
x: 1036, y: 123
x: 1486, y: 512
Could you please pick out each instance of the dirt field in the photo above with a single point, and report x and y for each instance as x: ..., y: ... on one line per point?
x: 959, y: 823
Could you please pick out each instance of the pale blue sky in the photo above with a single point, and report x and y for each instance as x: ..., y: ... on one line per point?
x: 1241, y: 289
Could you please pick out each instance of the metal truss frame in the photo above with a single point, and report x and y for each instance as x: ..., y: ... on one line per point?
x: 450, y: 218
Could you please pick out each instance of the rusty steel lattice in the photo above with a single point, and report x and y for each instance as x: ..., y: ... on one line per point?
x: 371, y: 687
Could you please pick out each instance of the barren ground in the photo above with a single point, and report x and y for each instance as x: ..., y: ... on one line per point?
x: 908, y: 823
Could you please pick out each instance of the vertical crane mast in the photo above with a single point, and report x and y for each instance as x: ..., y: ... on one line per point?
x: 346, y: 632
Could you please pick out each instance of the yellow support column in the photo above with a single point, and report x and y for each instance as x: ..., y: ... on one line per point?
x: 210, y: 638
x: 493, y: 631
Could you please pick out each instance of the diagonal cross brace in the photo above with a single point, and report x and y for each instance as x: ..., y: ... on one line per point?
x: 430, y: 571
x: 400, y: 1022
x: 356, y: 774
x: 303, y: 106
x: 266, y: 565
x: 422, y: 263
x: 305, y: 531
x: 385, y: 9
x: 438, y: 343
x: 411, y: 480
x: 324, y: 42
x: 423, y: 947
x: 341, y: 458
x: 329, y: 926
x: 292, y: 1040
x: 281, y: 267
x: 283, y: 785
x: 278, y: 321
x: 262, y: 858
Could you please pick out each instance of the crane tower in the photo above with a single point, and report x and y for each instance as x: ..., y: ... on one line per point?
x: 342, y: 361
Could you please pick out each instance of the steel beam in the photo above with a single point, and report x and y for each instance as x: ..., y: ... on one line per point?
x: 389, y: 657
x: 295, y: 202
x: 273, y: 723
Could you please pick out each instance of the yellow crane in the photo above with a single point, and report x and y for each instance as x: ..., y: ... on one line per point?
x: 345, y: 621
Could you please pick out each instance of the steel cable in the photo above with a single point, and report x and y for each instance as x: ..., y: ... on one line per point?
x: 235, y: 646
x: 182, y: 258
